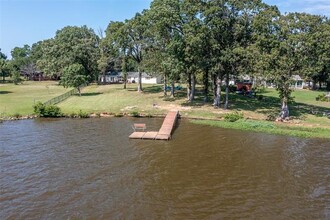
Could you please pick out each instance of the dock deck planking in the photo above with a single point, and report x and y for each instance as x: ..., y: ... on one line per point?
x: 164, y: 132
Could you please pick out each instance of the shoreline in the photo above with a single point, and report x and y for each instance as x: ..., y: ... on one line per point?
x: 289, y: 128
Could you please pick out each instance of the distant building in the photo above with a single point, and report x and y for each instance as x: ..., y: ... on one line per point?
x: 146, y: 78
x: 132, y: 77
x: 298, y: 82
x: 110, y: 77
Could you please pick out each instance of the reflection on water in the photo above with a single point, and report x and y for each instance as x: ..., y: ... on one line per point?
x: 67, y: 169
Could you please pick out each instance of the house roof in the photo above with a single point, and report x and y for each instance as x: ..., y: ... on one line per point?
x: 129, y: 74
x: 297, y: 78
x: 135, y: 74
x: 114, y: 73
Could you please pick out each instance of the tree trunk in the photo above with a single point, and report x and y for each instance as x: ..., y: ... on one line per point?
x: 217, y: 97
x: 285, y: 109
x: 78, y: 88
x: 172, y: 89
x: 165, y: 85
x: 206, y: 86
x: 227, y: 91
x: 314, y: 84
x: 125, y: 80
x: 140, y: 81
x: 214, y: 88
x: 103, y: 79
x: 193, y: 88
x: 188, y: 86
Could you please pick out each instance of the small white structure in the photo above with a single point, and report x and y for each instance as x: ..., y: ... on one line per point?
x: 110, y: 77
x: 298, y: 82
x: 133, y: 77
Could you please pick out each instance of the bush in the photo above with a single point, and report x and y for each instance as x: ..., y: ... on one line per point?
x: 272, y: 116
x: 119, y: 115
x: 82, y: 114
x: 135, y: 114
x: 17, y: 115
x: 51, y: 111
x: 322, y: 98
x: 232, y: 117
x: 16, y: 78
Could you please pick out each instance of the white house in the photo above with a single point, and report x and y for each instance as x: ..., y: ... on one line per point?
x: 298, y: 82
x: 146, y: 78
x: 110, y: 77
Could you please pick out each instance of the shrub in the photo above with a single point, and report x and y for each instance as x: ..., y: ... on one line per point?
x: 17, y: 115
x: 16, y: 78
x: 272, y: 116
x: 119, y: 115
x: 52, y: 111
x: 72, y: 115
x: 232, y: 117
x: 82, y: 114
x: 135, y: 114
x: 43, y: 110
x: 322, y: 98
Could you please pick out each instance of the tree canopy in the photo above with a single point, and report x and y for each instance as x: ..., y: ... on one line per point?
x: 211, y: 42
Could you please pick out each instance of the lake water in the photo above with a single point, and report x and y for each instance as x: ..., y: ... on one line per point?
x: 90, y: 169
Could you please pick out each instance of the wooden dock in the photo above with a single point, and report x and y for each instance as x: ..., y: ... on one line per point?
x: 164, y: 132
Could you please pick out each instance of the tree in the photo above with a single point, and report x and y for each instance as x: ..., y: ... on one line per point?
x: 231, y: 33
x: 135, y: 35
x: 21, y: 61
x: 113, y: 52
x: 316, y: 65
x: 4, y: 71
x: 166, y: 54
x: 71, y: 45
x: 75, y: 76
x: 286, y: 57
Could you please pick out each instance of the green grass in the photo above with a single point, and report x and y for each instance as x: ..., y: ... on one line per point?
x: 19, y: 99
x: 269, y: 127
x: 114, y: 99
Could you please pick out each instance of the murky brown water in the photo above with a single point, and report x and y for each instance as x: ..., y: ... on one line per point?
x: 73, y: 169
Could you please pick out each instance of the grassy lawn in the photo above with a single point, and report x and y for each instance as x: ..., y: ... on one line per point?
x: 114, y: 99
x: 270, y: 128
x: 19, y: 99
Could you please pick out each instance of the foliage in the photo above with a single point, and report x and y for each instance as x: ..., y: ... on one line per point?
x: 4, y: 68
x: 119, y: 115
x: 322, y: 98
x: 82, y: 114
x: 270, y: 128
x: 74, y: 76
x: 234, y: 116
x: 71, y: 45
x: 16, y: 115
x: 208, y: 42
x: 16, y: 77
x: 135, y: 114
x: 51, y: 111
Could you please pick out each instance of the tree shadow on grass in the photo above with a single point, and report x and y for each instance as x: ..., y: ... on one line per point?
x: 272, y: 105
x: 153, y: 89
x: 91, y: 94
x: 266, y: 106
x: 5, y: 92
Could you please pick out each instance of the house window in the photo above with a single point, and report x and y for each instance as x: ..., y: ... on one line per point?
x: 148, y: 77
